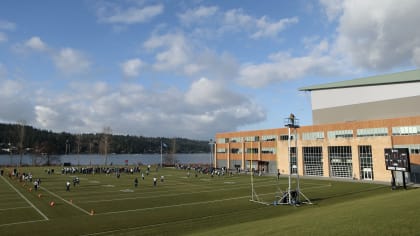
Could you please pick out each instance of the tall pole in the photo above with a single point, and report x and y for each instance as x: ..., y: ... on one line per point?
x: 211, y: 143
x: 161, y: 153
x: 252, y: 174
x: 290, y: 169
x: 297, y: 170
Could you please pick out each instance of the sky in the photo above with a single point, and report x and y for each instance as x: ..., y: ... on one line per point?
x: 190, y: 68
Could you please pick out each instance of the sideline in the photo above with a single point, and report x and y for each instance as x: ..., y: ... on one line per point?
x: 14, y: 208
x: 21, y: 195
x: 68, y: 202
x: 22, y: 222
x: 169, y: 206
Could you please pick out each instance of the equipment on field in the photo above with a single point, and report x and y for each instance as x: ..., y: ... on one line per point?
x: 292, y: 196
x: 397, y: 159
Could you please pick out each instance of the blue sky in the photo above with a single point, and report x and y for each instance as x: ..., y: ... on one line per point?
x: 190, y: 68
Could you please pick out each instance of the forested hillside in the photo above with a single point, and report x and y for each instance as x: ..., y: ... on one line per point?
x: 22, y: 138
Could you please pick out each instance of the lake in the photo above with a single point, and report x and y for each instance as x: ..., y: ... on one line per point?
x: 114, y: 159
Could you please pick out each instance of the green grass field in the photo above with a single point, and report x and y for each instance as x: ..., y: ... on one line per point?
x: 200, y: 205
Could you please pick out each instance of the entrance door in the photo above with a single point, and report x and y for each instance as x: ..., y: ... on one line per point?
x: 367, y: 173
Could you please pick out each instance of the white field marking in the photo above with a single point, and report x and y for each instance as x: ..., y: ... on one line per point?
x: 14, y: 208
x: 170, y: 206
x: 127, y: 190
x: 68, y: 202
x: 108, y: 185
x: 229, y: 182
x: 94, y: 181
x: 22, y: 222
x: 153, y: 225
x: 24, y: 198
x: 148, y: 195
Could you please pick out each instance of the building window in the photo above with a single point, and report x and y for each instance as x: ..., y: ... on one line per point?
x: 372, y: 132
x: 285, y: 137
x: 340, y: 134
x: 236, y: 140
x: 406, y: 130
x: 221, y: 140
x: 268, y: 150
x: 221, y: 150
x: 252, y: 139
x: 252, y: 150
x: 413, y: 148
x: 366, y: 164
x: 312, y: 161
x: 312, y: 135
x: 293, y: 161
x: 235, y: 150
x: 268, y: 138
x: 340, y: 161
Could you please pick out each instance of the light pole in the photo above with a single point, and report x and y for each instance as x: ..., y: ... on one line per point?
x: 161, y: 153
x: 293, y: 196
x: 211, y: 143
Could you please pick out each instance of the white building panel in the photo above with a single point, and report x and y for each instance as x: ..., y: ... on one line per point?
x: 328, y: 98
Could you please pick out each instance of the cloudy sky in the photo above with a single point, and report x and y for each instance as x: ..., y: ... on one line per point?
x: 190, y: 68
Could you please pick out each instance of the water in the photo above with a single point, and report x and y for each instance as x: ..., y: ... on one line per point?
x: 114, y: 159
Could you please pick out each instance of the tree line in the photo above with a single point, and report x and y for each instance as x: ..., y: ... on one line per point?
x: 21, y: 138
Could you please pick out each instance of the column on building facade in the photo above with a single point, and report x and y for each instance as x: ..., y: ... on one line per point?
x: 325, y: 160
x: 214, y: 155
x: 299, y: 157
x: 243, y: 156
x: 355, y: 160
x: 259, y: 150
x: 228, y: 156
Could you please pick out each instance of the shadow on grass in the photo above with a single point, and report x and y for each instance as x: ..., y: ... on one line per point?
x: 348, y: 194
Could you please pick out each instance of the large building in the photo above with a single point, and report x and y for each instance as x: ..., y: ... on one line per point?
x: 354, y: 121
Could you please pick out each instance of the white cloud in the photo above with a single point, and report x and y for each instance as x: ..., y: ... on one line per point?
x: 3, y: 37
x: 7, y: 25
x: 36, y: 43
x: 377, y: 34
x: 111, y: 13
x: 194, y: 15
x: 283, y: 67
x: 416, y: 57
x: 211, y: 93
x: 15, y: 100
x: 3, y: 71
x: 272, y: 29
x: 237, y: 19
x: 131, y: 109
x: 332, y: 8
x: 131, y: 68
x: 71, y: 61
x: 175, y: 53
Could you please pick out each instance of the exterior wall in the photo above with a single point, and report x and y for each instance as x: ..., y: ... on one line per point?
x: 368, y: 111
x: 279, y: 160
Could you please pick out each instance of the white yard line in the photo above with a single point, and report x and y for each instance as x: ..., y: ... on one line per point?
x: 176, y: 205
x: 24, y: 198
x: 149, y: 195
x: 22, y: 222
x: 14, y: 208
x: 68, y: 202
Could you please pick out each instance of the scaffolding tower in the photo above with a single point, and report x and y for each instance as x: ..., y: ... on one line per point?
x: 292, y: 196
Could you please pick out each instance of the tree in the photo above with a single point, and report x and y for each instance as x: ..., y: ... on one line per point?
x: 105, y: 142
x: 21, y: 125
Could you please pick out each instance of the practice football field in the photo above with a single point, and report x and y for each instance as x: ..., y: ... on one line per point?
x: 188, y: 205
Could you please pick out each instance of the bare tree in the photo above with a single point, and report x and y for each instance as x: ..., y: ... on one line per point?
x: 21, y: 125
x: 105, y: 142
x: 78, y: 141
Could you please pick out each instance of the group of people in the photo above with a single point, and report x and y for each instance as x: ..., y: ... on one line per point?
x: 136, y: 180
